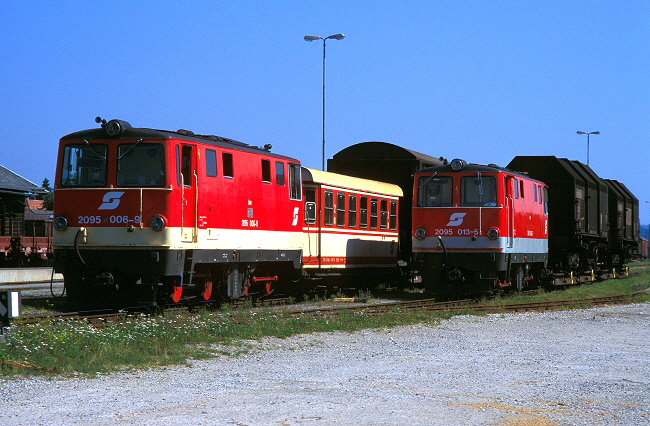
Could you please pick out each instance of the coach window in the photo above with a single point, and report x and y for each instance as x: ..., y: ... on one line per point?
x: 266, y: 171
x: 340, y: 209
x: 141, y: 164
x: 352, y: 211
x: 328, y: 206
x: 84, y: 165
x: 393, y: 215
x: 210, y: 163
x: 383, y: 214
x: 363, y: 212
x: 279, y: 173
x: 373, y: 213
x: 434, y: 191
x: 478, y: 191
x: 294, y: 181
x: 228, y: 168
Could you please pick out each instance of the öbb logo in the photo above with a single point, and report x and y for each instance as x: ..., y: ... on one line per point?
x: 111, y: 200
x: 456, y: 219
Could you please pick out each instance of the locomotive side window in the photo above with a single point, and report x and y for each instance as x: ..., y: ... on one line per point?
x: 383, y: 214
x: 373, y: 213
x: 328, y: 206
x: 340, y: 209
x: 478, y: 191
x: 521, y: 189
x: 84, y: 165
x: 352, y: 211
x: 294, y: 181
x: 535, y: 193
x: 279, y: 173
x: 545, y: 200
x: 435, y: 191
x: 363, y: 212
x: 266, y: 171
x: 210, y: 162
x: 515, y: 184
x: 226, y: 159
x: 141, y: 164
x: 393, y: 215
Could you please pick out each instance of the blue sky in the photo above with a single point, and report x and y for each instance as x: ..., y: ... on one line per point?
x: 480, y: 80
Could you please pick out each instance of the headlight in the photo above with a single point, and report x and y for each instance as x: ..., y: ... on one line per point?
x: 116, y: 127
x: 60, y: 223
x: 493, y: 233
x: 458, y: 164
x: 157, y: 223
x: 420, y: 233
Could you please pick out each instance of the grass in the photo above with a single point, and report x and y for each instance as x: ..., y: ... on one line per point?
x: 73, y: 347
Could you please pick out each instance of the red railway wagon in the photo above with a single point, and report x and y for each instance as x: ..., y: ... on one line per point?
x: 478, y: 228
x: 149, y: 214
x: 350, y: 227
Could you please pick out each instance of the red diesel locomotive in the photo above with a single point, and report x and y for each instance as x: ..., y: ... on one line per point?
x: 478, y: 228
x: 149, y: 214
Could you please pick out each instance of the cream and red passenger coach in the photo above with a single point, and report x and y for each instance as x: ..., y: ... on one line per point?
x: 477, y: 228
x: 350, y: 227
x: 148, y: 213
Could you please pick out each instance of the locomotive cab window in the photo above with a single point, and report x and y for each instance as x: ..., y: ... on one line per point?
x: 141, y: 164
x: 478, y: 191
x: 210, y: 162
x: 279, y: 173
x: 266, y: 171
x: 435, y: 191
x: 226, y: 159
x: 84, y: 165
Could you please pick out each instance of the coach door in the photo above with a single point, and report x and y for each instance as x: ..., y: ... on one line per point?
x: 187, y: 179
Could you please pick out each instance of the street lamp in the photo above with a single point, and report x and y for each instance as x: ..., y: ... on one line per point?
x: 590, y: 133
x: 312, y: 38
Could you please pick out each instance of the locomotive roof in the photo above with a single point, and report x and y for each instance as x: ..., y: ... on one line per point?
x: 475, y: 168
x: 181, y: 134
x: 349, y: 182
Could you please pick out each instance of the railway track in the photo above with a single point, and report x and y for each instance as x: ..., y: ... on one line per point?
x: 107, y: 318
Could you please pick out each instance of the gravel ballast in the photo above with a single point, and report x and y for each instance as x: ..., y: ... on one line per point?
x: 587, y: 367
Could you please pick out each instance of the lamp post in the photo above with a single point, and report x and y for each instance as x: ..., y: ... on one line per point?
x: 590, y: 133
x: 312, y: 38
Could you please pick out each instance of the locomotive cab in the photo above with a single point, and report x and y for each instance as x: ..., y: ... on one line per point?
x: 478, y: 228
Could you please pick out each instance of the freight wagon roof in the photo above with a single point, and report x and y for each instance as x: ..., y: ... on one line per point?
x: 383, y: 151
x: 349, y: 182
x: 184, y: 135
